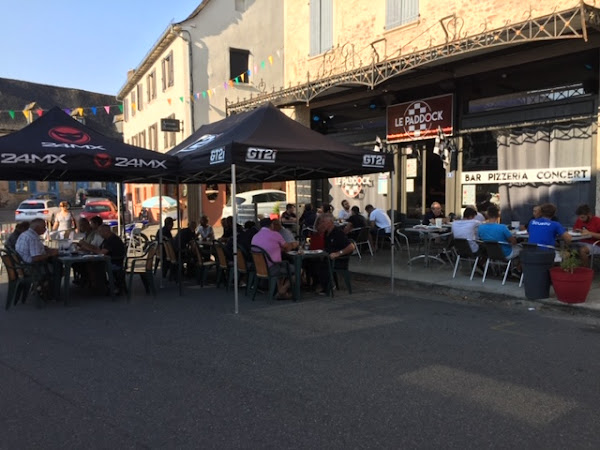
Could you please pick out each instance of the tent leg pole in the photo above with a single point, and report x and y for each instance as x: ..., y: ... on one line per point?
x: 160, y: 233
x: 179, y: 228
x: 393, y: 230
x: 235, y: 248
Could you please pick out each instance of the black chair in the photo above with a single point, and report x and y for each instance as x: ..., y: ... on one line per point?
x: 495, y: 255
x: 463, y: 251
x: 201, y: 265
x: 363, y: 238
x: 339, y: 266
x: 223, y: 265
x: 20, y: 278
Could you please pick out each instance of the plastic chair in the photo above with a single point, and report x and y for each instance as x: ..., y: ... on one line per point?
x: 223, y: 266
x: 202, y: 266
x: 143, y: 266
x: 362, y: 239
x: 495, y: 255
x: 463, y: 251
x: 245, y: 266
x: 261, y: 261
x: 170, y: 262
x: 20, y: 278
x: 594, y: 245
x: 336, y: 268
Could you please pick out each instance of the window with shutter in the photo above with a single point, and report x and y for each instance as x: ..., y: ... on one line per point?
x: 400, y: 12
x: 321, y: 26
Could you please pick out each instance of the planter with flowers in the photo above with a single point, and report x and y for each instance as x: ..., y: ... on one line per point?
x: 570, y: 281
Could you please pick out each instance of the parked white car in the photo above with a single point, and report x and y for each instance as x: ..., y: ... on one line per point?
x: 266, y: 200
x: 37, y: 209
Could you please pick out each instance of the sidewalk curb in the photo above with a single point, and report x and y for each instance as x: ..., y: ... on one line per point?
x: 480, y: 295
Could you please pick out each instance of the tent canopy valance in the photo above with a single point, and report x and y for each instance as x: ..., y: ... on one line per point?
x: 57, y: 147
x: 266, y: 145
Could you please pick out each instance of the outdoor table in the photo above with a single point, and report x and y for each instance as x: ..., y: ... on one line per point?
x: 298, y: 257
x: 427, y: 230
x: 67, y: 261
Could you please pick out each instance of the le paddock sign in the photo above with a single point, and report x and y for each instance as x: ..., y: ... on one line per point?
x: 549, y: 175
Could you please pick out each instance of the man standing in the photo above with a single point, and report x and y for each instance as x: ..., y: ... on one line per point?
x: 273, y: 243
x: 337, y: 245
x: 344, y: 213
x: 434, y: 213
x: 589, y: 225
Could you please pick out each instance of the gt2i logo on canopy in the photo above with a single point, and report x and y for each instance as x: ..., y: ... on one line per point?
x: 203, y: 140
x: 261, y: 155
x: 377, y: 161
x: 353, y: 186
x: 217, y: 156
x: 69, y: 135
x: 102, y: 160
x: 30, y: 158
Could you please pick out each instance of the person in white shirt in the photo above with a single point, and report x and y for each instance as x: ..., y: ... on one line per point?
x: 345, y: 211
x: 380, y: 221
x: 467, y: 228
x: 478, y: 216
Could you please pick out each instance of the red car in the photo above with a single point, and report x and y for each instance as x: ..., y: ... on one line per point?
x: 106, y: 209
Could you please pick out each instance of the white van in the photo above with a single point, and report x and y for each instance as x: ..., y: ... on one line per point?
x: 266, y: 200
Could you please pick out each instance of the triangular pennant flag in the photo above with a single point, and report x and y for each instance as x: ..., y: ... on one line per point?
x: 255, y: 69
x: 80, y: 111
x: 107, y: 109
x: 262, y: 64
x: 225, y: 85
x: 181, y: 98
x: 278, y: 52
x: 26, y: 114
x: 94, y: 109
x: 243, y: 77
x: 197, y: 94
x: 249, y: 73
x: 169, y: 100
x: 67, y: 110
x: 11, y: 113
x: 121, y: 107
x: 192, y: 97
x: 209, y: 92
x: 133, y: 105
x: 231, y: 83
x: 203, y: 94
x: 270, y: 60
x: 39, y: 112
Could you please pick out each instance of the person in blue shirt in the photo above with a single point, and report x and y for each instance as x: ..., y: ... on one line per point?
x: 546, y: 231
x: 491, y: 230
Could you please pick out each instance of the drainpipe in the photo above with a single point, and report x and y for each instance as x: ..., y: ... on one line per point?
x: 191, y: 66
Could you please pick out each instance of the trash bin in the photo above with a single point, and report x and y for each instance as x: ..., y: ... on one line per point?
x: 536, y: 266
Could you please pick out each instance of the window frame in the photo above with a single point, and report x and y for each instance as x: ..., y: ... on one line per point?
x: 320, y: 27
x: 401, y: 12
x: 235, y: 65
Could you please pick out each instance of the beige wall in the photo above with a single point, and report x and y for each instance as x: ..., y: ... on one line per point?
x: 359, y: 23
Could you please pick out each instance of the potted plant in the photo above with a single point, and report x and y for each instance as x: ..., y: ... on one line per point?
x: 275, y: 214
x: 571, y: 282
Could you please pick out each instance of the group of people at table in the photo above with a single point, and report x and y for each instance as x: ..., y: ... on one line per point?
x: 542, y: 229
x: 320, y: 230
x: 89, y: 237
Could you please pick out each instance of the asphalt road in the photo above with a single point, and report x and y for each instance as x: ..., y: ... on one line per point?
x: 371, y: 370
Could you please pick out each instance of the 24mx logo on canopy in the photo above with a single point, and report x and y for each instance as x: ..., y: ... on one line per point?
x: 69, y: 135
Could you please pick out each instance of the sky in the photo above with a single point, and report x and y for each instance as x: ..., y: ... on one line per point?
x: 82, y: 44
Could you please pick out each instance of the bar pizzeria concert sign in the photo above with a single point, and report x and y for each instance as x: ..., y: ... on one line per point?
x: 420, y: 119
x: 549, y: 175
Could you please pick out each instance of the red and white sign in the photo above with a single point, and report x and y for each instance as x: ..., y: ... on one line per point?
x: 420, y: 119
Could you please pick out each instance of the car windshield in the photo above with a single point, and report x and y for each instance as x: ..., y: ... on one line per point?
x: 96, y: 208
x: 238, y: 200
x: 32, y: 205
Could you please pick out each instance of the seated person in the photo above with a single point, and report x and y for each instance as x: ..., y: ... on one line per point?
x: 11, y: 240
x: 32, y: 251
x: 184, y: 236
x: 205, y: 231
x: 287, y: 235
x: 589, y: 226
x: 317, y: 238
x: 288, y: 217
x: 337, y: 245
x: 355, y: 221
x: 307, y: 219
x: 536, y: 214
x: 166, y: 229
x: 245, y: 237
x: 380, y: 222
x: 491, y: 230
x: 434, y: 213
x: 478, y: 216
x: 273, y: 243
x: 544, y: 230
x: 90, y: 230
x: 467, y: 228
x: 345, y: 212
x: 111, y: 246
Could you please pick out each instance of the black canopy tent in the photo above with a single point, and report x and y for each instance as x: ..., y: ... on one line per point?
x: 266, y: 145
x: 57, y: 147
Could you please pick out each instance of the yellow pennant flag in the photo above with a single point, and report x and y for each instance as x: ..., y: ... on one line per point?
x: 26, y: 114
x: 243, y: 77
x: 271, y: 60
x: 209, y: 92
x: 80, y: 110
x: 133, y: 105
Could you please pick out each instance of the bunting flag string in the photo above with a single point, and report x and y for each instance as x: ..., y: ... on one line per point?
x: 80, y: 111
x: 243, y: 77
